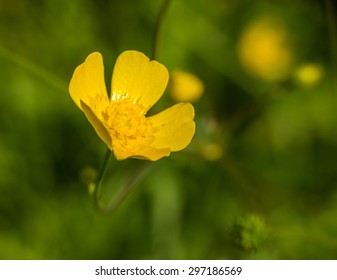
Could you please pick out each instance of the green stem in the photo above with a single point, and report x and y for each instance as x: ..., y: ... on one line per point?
x: 332, y: 32
x: 103, y: 169
x: 99, y: 178
x: 157, y: 28
x: 122, y: 193
x: 124, y: 190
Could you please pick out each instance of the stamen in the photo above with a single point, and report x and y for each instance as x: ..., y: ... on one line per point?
x: 127, y: 124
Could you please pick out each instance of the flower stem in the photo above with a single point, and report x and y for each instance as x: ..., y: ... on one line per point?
x: 99, y: 178
x: 124, y: 189
x: 102, y: 171
x: 104, y: 165
x: 157, y: 28
x: 332, y: 32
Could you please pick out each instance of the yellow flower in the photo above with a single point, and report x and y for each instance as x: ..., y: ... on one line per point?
x: 120, y: 121
x: 212, y: 151
x: 186, y: 87
x: 264, y: 49
x: 309, y: 74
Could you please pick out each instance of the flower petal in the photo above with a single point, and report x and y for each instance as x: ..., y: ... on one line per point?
x: 88, y: 81
x: 96, y: 123
x: 140, y: 79
x: 146, y: 152
x: 174, y: 127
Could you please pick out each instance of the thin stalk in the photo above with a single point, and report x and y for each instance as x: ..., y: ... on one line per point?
x: 99, y: 179
x: 332, y: 33
x: 123, y: 192
x: 158, y: 26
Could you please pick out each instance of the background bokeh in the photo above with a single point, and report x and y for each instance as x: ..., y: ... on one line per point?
x: 259, y: 180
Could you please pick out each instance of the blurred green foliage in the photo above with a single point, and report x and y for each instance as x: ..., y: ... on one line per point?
x: 259, y: 180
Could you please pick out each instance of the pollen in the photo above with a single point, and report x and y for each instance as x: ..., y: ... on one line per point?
x: 127, y: 124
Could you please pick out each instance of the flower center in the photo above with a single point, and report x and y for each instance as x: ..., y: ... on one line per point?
x: 127, y: 125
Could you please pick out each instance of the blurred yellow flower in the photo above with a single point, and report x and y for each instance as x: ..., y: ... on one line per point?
x: 212, y: 151
x: 185, y: 87
x: 309, y: 74
x: 264, y: 49
x: 137, y: 84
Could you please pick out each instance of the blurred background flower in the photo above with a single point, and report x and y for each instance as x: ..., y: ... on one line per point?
x: 185, y: 87
x: 309, y: 74
x: 264, y: 49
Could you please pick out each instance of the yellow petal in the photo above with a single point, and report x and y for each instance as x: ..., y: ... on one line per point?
x: 87, y: 82
x: 138, y: 78
x: 96, y: 123
x: 147, y: 153
x: 174, y: 127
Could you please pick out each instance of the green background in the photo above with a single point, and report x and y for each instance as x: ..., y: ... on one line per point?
x: 272, y: 195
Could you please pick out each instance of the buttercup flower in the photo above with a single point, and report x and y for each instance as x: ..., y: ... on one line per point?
x: 264, y: 49
x: 185, y: 87
x: 119, y: 120
x: 309, y: 74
